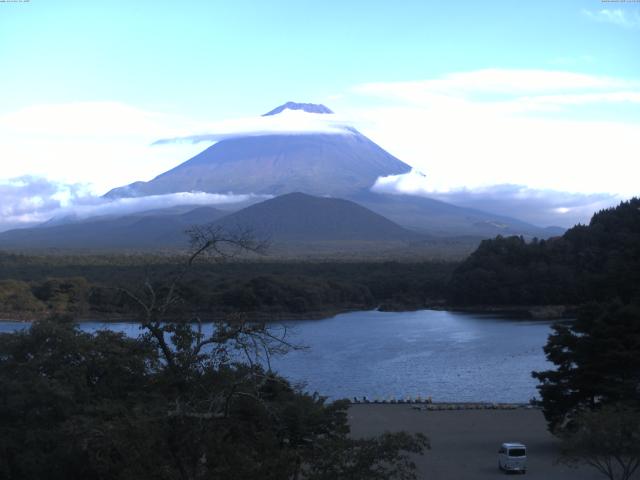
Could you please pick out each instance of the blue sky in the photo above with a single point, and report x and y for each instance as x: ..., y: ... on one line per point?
x: 88, y: 86
x: 220, y: 59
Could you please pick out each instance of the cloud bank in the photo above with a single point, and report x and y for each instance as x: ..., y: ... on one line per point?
x: 288, y: 122
x: 539, y: 207
x: 546, y: 129
x: 29, y: 201
x: 26, y: 199
x: 99, y: 144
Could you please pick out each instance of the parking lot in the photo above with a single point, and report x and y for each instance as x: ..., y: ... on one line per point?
x: 465, y: 443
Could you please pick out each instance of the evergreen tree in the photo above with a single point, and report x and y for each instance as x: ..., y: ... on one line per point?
x: 597, y: 361
x: 596, y: 262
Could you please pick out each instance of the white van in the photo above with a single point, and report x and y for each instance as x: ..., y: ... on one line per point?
x: 512, y: 457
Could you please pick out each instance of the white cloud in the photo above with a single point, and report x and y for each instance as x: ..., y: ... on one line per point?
x: 97, y: 206
x: 459, y: 148
x: 507, y: 91
x: 622, y: 18
x: 286, y: 122
x: 29, y: 200
x: 543, y: 207
x: 102, y: 144
x: 25, y: 198
x: 493, y: 81
x: 412, y: 183
x: 555, y: 102
x: 108, y: 144
x: 461, y: 138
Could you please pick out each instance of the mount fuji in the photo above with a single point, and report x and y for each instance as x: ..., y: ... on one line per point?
x: 326, y: 164
x: 338, y: 167
x: 345, y: 164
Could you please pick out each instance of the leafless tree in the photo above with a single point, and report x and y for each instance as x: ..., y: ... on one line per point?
x: 183, y: 344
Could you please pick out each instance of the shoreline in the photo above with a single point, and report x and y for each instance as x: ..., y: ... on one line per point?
x: 426, y: 405
x: 208, y: 317
x: 525, y: 312
x: 515, y: 312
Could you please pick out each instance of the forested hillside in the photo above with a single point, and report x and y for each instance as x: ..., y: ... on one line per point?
x: 87, y: 287
x: 595, y: 262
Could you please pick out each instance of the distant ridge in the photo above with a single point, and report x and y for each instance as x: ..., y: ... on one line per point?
x: 304, y: 218
x: 292, y: 218
x: 144, y: 230
x: 439, y: 218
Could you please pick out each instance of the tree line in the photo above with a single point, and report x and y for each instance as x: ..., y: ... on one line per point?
x: 38, y: 288
x: 595, y: 262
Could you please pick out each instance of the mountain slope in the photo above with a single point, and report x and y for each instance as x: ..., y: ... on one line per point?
x: 444, y: 219
x: 595, y: 262
x: 336, y: 164
x: 137, y: 231
x: 317, y: 164
x: 292, y: 218
x: 303, y: 218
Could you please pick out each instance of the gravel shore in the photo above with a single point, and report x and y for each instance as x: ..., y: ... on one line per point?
x: 464, y: 443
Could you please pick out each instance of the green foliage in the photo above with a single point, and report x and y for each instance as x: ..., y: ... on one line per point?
x: 58, y: 388
x: 607, y: 439
x: 16, y: 296
x: 92, y: 285
x: 76, y: 405
x: 597, y: 361
x: 597, y: 262
x: 375, y: 459
x: 64, y: 295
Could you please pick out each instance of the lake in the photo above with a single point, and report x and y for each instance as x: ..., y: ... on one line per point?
x: 449, y: 356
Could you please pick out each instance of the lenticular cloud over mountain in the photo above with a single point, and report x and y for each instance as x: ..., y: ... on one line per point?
x: 290, y: 118
x: 296, y: 147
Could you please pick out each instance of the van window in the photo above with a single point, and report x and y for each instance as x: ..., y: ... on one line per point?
x: 517, y: 452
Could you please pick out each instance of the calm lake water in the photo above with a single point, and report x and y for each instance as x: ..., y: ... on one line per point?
x: 448, y: 356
